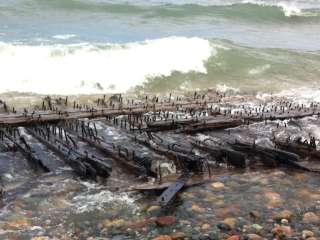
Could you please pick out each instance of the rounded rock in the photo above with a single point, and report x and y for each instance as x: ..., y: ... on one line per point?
x: 311, y: 217
x: 306, y: 234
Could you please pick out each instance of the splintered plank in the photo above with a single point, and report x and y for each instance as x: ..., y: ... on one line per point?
x: 168, y: 195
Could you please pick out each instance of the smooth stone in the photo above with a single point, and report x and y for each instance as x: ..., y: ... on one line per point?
x: 255, y: 214
x: 178, y: 236
x: 213, y: 235
x: 153, y: 208
x: 256, y: 227
x: 231, y: 222
x: 234, y: 237
x: 253, y: 236
x: 40, y: 238
x: 113, y: 223
x: 165, y: 221
x: 306, y: 234
x: 197, y: 209
x: 282, y: 231
x: 205, y: 227
x: 224, y: 227
x: 311, y: 217
x: 163, y: 237
x: 285, y: 214
x: 217, y: 185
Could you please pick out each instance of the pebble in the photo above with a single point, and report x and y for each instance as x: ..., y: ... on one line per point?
x: 253, y: 236
x: 197, y: 209
x: 234, y: 237
x: 163, y: 237
x: 205, y: 227
x: 284, y: 221
x: 165, y: 221
x: 113, y: 223
x: 177, y: 235
x: 285, y: 214
x: 306, y: 234
x: 40, y: 238
x: 256, y: 227
x: 311, y: 217
x: 153, y: 208
x: 224, y: 227
x: 217, y: 185
x: 282, y: 231
x: 255, y: 214
x: 231, y: 222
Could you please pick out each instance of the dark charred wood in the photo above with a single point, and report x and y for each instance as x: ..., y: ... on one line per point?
x: 212, y: 124
x: 222, y: 154
x: 21, y: 145
x: 139, y: 165
x: 85, y: 165
x: 183, y: 161
x: 271, y: 157
x: 302, y: 149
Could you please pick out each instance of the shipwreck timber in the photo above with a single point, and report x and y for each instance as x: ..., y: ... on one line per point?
x: 60, y: 125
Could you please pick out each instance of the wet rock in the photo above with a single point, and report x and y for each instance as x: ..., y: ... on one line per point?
x: 178, y: 236
x: 307, y: 234
x: 163, y: 237
x: 234, y: 237
x: 217, y: 185
x: 205, y: 227
x: 273, y: 198
x: 16, y: 224
x: 231, y: 222
x: 165, y: 221
x: 224, y: 227
x: 197, y: 209
x: 40, y: 238
x: 285, y: 214
x: 311, y: 217
x: 256, y: 228
x: 255, y: 214
x: 113, y: 223
x: 253, y: 236
x: 153, y: 209
x: 214, y: 235
x: 282, y: 231
x: 142, y: 224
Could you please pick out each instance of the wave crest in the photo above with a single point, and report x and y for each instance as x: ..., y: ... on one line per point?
x: 87, y: 68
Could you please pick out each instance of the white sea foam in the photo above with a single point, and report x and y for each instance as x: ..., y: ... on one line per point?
x: 259, y: 69
x: 87, y: 68
x: 64, y: 36
x: 88, y: 202
x: 302, y: 95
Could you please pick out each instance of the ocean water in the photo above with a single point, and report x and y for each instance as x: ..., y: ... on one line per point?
x: 101, y: 46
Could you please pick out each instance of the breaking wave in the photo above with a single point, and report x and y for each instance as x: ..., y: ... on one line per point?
x: 166, y: 64
x: 88, y: 68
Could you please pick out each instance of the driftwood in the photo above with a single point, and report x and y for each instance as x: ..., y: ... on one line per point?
x: 221, y: 154
x: 185, y: 161
x: 271, y: 157
x: 303, y: 149
x: 139, y: 165
x: 211, y: 124
x: 85, y: 165
x: 169, y: 194
x: 18, y: 142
